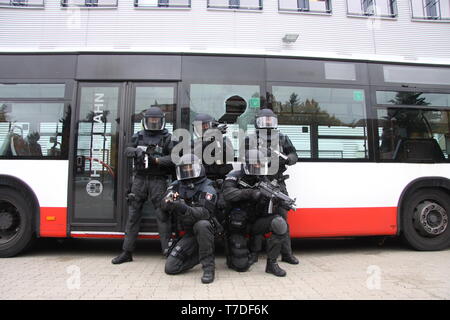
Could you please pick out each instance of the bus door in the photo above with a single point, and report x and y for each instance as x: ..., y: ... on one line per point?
x: 107, y: 116
x: 143, y: 96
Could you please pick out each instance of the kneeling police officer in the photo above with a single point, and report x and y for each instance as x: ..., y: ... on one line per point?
x: 192, y: 199
x: 266, y: 124
x: 251, y: 213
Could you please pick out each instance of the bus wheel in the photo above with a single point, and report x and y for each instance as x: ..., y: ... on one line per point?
x: 16, y: 219
x: 425, y: 220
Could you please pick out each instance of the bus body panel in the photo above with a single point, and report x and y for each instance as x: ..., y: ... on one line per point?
x: 351, y: 199
x: 53, y: 174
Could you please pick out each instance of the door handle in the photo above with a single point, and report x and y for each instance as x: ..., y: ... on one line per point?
x: 80, y: 164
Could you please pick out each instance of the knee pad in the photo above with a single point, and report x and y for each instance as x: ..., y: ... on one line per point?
x: 278, y: 226
x: 237, y: 257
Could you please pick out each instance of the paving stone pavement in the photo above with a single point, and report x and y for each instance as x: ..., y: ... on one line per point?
x: 329, y: 269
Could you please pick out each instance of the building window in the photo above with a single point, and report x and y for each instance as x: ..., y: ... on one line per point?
x: 431, y: 9
x: 315, y: 6
x: 380, y: 8
x: 89, y: 3
x: 162, y: 3
x: 22, y: 3
x: 236, y: 4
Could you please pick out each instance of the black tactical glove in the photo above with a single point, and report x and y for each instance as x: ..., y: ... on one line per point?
x: 251, y: 194
x: 291, y: 160
x: 180, y: 206
x: 151, y: 159
x: 139, y: 153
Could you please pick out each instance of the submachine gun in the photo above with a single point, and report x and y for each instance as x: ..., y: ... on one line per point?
x: 272, y: 191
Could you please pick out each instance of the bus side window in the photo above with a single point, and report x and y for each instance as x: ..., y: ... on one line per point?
x: 421, y: 132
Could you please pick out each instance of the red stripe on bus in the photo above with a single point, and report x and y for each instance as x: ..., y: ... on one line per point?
x: 303, y: 223
x: 53, y: 222
x: 335, y: 222
x: 111, y: 236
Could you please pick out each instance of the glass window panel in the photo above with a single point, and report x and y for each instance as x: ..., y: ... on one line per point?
x: 145, y: 97
x: 97, y: 143
x: 89, y: 3
x: 235, y: 105
x: 386, y: 8
x: 235, y: 4
x: 333, y: 116
x: 414, y: 98
x: 31, y: 90
x: 32, y: 129
x: 304, y: 5
x: 342, y: 149
x: 22, y: 3
x: 162, y: 97
x: 422, y: 75
x: 162, y: 3
x: 396, y: 125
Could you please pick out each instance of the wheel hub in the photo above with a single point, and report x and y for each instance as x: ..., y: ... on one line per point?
x: 6, y: 220
x: 430, y: 219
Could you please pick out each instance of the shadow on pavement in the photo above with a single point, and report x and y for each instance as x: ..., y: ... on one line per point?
x: 111, y: 247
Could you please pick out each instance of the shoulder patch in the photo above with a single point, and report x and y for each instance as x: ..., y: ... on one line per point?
x: 209, y: 196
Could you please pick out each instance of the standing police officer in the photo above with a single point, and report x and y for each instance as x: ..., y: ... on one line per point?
x: 192, y: 199
x: 266, y: 121
x: 151, y: 149
x: 211, y: 137
x: 214, y: 148
x: 251, y: 214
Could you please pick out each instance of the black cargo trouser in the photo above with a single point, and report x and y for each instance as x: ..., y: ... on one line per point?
x: 256, y: 241
x: 146, y: 188
x: 196, y: 246
x: 263, y: 225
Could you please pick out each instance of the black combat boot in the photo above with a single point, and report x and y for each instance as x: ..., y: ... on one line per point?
x: 125, y: 256
x: 273, y: 268
x: 253, y: 258
x: 291, y: 259
x: 208, y: 276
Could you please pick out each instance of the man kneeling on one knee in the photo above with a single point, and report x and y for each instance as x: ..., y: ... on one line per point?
x: 191, y: 200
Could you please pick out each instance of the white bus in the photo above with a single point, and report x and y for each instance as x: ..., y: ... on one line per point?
x: 373, y: 139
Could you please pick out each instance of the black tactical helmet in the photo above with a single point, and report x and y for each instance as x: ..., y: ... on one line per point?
x: 190, y: 167
x: 256, y: 164
x: 154, y: 119
x: 266, y: 119
x: 203, y: 122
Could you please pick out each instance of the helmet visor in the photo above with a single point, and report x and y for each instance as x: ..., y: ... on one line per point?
x: 257, y: 169
x: 266, y: 122
x: 188, y: 171
x: 154, y: 123
x: 201, y: 127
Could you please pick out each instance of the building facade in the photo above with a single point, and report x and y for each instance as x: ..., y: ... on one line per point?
x: 398, y: 30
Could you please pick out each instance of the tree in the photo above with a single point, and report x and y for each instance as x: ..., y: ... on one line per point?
x: 409, y: 98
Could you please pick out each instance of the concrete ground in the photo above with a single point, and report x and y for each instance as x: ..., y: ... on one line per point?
x: 357, y: 268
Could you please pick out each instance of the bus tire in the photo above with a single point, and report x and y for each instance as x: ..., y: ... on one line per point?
x: 425, y: 219
x: 16, y: 222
